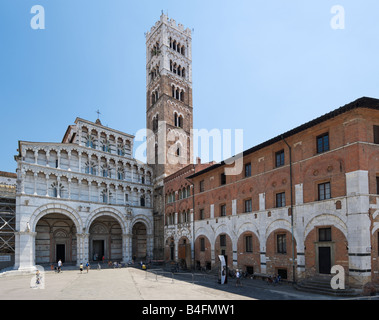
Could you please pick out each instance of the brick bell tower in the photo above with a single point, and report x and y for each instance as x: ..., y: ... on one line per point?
x: 169, y: 110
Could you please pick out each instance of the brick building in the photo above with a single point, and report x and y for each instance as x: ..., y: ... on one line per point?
x: 305, y: 200
x: 179, y: 230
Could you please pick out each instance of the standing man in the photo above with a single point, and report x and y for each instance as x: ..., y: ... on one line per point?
x: 59, y: 265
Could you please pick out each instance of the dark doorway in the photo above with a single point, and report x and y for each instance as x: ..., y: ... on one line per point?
x: 60, y: 252
x: 324, y: 260
x: 97, y: 249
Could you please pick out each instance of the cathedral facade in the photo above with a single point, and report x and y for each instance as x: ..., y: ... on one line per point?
x: 82, y: 199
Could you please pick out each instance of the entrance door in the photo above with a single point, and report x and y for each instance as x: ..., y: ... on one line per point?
x: 97, y: 249
x: 324, y: 260
x: 60, y: 252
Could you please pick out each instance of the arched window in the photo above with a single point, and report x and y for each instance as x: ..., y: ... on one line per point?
x: 173, y: 91
x: 142, y: 201
x: 180, y: 121
x: 177, y: 94
x: 155, y: 123
x: 152, y: 98
x: 176, y: 119
x: 182, y: 50
x: 104, y: 196
x: 171, y: 66
x: 184, y: 72
x: 182, y: 95
x: 156, y: 154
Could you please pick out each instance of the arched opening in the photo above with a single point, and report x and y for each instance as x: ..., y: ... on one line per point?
x: 184, y: 252
x: 105, y: 239
x: 55, y: 239
x: 139, y: 241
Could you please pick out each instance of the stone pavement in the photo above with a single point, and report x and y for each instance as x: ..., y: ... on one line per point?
x: 136, y: 284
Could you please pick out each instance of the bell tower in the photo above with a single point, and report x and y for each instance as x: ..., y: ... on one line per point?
x: 169, y: 110
x: 168, y: 97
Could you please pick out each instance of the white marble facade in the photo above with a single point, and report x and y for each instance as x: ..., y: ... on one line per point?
x: 85, y: 189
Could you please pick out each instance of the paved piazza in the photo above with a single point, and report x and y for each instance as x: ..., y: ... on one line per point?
x: 135, y: 284
x: 124, y: 283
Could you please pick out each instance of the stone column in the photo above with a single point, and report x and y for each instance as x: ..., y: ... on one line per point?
x: 35, y: 183
x: 358, y: 225
x: 126, y: 248
x: 82, y: 248
x: 25, y: 250
x: 47, y: 185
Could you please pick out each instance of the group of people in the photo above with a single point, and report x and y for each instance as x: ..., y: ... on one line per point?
x: 81, y: 267
x: 58, y: 268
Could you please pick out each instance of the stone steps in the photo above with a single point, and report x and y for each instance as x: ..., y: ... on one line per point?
x: 321, y: 284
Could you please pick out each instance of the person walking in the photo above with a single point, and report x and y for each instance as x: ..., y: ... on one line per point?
x: 238, y: 277
x: 87, y: 266
x: 81, y: 267
x: 59, y: 265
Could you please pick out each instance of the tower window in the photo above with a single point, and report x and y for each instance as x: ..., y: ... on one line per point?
x: 176, y: 119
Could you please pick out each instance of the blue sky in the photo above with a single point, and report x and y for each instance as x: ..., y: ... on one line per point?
x: 261, y: 66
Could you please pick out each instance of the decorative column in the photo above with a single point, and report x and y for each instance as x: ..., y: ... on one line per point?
x: 80, y: 161
x: 69, y: 160
x: 47, y: 185
x: 35, y: 183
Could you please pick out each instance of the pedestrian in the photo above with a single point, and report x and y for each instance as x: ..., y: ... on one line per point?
x: 59, y: 265
x: 103, y: 258
x: 38, y: 278
x: 238, y: 277
x: 87, y: 266
x: 81, y: 267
